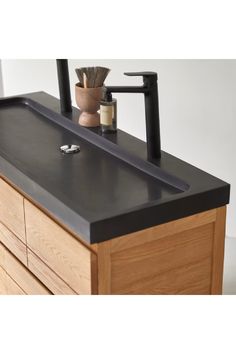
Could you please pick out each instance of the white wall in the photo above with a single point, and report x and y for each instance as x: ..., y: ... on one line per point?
x: 197, y: 106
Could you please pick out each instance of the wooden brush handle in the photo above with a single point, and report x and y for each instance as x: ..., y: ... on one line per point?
x: 85, y: 80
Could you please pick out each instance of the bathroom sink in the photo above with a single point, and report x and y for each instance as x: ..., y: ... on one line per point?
x: 105, y: 190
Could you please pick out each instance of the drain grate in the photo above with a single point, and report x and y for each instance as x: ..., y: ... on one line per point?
x: 70, y: 149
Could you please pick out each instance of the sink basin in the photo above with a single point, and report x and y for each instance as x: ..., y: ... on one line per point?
x: 101, y: 192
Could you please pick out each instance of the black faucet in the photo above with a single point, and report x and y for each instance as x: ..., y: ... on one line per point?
x: 149, y: 89
x: 64, y: 85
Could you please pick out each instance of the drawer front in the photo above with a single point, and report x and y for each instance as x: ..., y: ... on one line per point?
x: 8, y: 286
x: 20, y: 274
x: 13, y: 243
x: 59, y: 250
x: 12, y: 210
x: 55, y: 284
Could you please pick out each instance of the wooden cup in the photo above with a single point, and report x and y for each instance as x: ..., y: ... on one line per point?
x: 88, y: 100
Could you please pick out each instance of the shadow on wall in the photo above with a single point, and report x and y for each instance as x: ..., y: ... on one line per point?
x: 1, y: 83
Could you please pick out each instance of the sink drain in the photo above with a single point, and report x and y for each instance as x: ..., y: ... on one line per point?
x: 70, y: 149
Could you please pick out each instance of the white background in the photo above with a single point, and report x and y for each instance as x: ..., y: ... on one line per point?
x: 119, y: 29
x: 197, y: 106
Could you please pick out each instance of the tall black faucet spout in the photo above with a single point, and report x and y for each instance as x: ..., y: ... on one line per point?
x: 152, y: 124
x: 64, y: 85
x: 127, y: 89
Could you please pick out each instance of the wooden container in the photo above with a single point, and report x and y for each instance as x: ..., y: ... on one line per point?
x: 88, y: 100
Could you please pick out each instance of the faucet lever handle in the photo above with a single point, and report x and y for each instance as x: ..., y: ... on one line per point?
x: 141, y: 73
x: 149, y: 77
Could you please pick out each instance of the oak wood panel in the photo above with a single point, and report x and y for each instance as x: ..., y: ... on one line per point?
x: 163, y: 230
x: 47, y: 276
x: 13, y: 243
x: 94, y: 274
x: 12, y: 210
x: 2, y: 254
x: 193, y: 278
x: 20, y: 274
x: 162, y: 260
x: 8, y: 286
x: 218, y: 251
x: 104, y: 268
x: 71, y: 260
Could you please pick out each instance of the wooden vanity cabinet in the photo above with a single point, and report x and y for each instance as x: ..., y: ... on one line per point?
x: 37, y: 255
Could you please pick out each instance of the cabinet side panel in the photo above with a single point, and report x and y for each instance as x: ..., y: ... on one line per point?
x: 180, y: 263
x: 163, y: 230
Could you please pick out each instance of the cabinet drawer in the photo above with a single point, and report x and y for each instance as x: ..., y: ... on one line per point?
x: 60, y: 251
x: 55, y: 284
x: 12, y: 242
x: 8, y: 286
x: 20, y: 274
x: 12, y: 210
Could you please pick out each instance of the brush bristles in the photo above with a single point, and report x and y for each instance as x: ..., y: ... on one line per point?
x: 96, y: 75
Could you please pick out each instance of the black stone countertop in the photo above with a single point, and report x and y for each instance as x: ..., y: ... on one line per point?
x: 116, y: 199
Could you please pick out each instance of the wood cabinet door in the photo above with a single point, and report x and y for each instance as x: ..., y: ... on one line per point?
x: 74, y: 263
x: 8, y: 286
x: 12, y: 210
x: 21, y: 277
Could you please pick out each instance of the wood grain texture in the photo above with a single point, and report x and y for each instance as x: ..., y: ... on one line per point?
x: 2, y: 254
x: 218, y: 251
x: 55, y: 284
x: 60, y: 223
x: 47, y: 212
x: 94, y: 274
x: 163, y: 230
x: 104, y: 268
x: 13, y: 243
x: 59, y: 250
x: 176, y: 264
x: 193, y: 278
x: 20, y: 274
x: 12, y: 210
x: 8, y: 286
